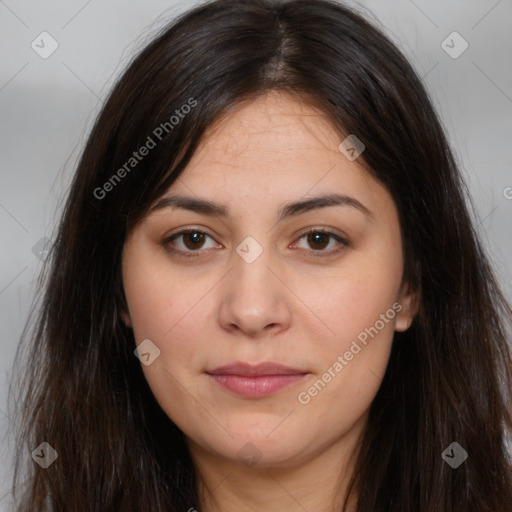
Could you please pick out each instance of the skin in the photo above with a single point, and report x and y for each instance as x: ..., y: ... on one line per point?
x: 287, y: 306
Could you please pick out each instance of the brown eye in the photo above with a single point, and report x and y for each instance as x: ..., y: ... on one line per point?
x: 318, y: 240
x: 188, y: 242
x: 193, y: 239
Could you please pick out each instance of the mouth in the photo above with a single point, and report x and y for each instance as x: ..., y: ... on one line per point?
x: 256, y: 381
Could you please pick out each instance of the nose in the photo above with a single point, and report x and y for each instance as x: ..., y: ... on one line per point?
x: 254, y: 298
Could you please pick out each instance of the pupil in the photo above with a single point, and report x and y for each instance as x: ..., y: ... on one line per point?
x: 318, y: 238
x: 195, y: 238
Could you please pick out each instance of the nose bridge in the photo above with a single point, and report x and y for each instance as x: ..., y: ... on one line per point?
x: 251, y: 261
x: 253, y: 298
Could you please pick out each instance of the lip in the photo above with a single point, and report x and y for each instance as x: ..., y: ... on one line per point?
x: 256, y: 381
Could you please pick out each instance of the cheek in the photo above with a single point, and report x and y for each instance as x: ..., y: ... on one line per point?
x: 352, y: 361
x: 174, y: 311
x: 158, y: 299
x: 165, y: 310
x: 353, y: 300
x: 358, y: 310
x: 151, y: 305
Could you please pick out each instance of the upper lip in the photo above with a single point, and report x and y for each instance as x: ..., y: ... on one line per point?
x: 251, y: 370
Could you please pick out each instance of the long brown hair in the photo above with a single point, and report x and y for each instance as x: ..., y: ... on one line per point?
x: 82, y: 390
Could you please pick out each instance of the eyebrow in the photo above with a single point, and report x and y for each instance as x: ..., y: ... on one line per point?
x: 213, y: 209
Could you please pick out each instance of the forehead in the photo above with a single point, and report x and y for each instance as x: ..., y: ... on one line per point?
x: 275, y: 132
x: 273, y: 150
x: 275, y: 123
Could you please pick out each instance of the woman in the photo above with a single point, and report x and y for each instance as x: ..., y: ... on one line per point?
x: 266, y: 292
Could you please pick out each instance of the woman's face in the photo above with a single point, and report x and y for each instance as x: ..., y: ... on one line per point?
x: 248, y: 286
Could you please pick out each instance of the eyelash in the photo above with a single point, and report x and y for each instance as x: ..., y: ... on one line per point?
x: 166, y: 243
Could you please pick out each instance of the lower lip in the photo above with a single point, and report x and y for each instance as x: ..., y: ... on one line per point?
x: 256, y: 386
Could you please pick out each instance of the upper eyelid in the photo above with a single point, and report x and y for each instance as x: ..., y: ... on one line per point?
x: 186, y: 230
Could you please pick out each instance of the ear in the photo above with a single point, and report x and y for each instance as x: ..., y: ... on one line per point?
x: 126, y: 319
x: 409, y: 301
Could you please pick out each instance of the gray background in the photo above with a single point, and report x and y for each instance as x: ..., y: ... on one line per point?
x: 48, y: 105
